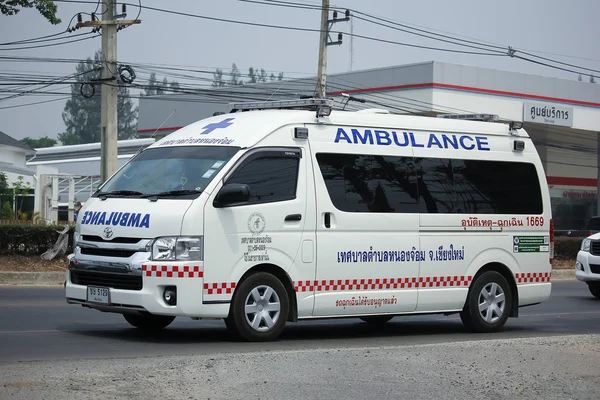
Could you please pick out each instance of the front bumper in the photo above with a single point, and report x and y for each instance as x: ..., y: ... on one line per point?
x: 148, y: 295
x: 587, y: 267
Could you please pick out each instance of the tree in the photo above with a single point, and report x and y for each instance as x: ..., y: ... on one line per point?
x: 82, y: 116
x: 46, y: 7
x: 6, y: 211
x: 69, y: 138
x: 218, y: 78
x: 39, y: 143
x: 21, y: 189
x: 156, y: 88
x: 235, y: 77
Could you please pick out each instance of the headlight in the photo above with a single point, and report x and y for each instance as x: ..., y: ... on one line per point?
x: 585, y: 245
x: 75, y: 239
x: 178, y: 248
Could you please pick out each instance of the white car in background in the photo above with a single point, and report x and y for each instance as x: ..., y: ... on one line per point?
x: 587, y: 268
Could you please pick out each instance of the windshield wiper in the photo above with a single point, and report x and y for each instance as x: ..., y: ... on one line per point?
x: 119, y: 193
x: 172, y: 193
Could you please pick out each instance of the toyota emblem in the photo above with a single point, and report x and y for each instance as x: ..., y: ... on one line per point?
x: 108, y: 232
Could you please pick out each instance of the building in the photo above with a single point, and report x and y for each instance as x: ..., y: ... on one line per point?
x: 561, y: 116
x: 13, y: 155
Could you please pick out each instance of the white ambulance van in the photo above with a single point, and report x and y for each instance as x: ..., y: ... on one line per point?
x: 285, y: 211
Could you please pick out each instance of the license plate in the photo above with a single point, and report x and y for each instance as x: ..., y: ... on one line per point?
x: 98, y: 295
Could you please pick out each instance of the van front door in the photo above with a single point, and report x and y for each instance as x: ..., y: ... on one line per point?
x: 267, y: 229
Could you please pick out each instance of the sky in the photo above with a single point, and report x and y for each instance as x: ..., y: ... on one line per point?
x: 567, y: 31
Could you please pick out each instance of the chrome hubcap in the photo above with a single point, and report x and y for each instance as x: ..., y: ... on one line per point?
x: 262, y: 308
x: 491, y: 302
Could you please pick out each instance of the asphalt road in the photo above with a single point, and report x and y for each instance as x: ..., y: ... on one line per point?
x: 37, y: 324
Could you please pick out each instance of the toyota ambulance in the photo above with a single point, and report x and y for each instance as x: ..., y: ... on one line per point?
x: 286, y: 211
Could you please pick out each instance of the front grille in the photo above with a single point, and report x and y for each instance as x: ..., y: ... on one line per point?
x: 595, y: 248
x: 595, y: 268
x: 92, y: 251
x: 106, y: 279
x: 91, y: 238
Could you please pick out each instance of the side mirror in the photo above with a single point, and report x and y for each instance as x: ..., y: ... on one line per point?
x: 232, y: 193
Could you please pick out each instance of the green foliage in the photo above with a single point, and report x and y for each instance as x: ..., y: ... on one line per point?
x: 567, y: 247
x: 82, y: 116
x: 46, y: 7
x: 30, y: 239
x: 21, y: 188
x: 7, y: 211
x: 157, y: 88
x: 3, y: 183
x: 235, y: 77
x: 69, y: 138
x: 39, y: 143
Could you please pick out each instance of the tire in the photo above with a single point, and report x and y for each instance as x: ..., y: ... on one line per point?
x: 377, y: 320
x: 495, y: 309
x: 148, y: 321
x: 259, y: 309
x: 594, y: 289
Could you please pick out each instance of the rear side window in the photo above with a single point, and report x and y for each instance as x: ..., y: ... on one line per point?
x: 496, y: 187
x: 369, y: 183
x: 270, y: 178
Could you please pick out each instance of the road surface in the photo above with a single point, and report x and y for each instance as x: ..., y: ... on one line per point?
x: 52, y: 349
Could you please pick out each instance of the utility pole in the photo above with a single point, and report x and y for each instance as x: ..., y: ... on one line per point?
x: 110, y: 76
x: 108, y: 92
x: 324, y: 41
x: 322, y: 74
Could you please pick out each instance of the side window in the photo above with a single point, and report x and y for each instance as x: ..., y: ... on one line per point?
x: 369, y: 183
x: 436, y: 185
x: 270, y: 178
x: 498, y: 187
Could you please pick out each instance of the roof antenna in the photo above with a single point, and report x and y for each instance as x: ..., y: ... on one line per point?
x: 276, y: 90
x: 157, y: 129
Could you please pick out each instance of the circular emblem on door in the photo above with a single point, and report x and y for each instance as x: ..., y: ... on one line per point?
x: 108, y: 232
x: 257, y: 223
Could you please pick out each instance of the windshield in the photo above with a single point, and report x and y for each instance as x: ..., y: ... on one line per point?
x: 182, y: 171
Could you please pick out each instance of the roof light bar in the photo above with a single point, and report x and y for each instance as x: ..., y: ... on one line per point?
x: 471, y: 117
x: 311, y: 103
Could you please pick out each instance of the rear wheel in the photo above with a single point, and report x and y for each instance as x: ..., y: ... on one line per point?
x: 488, y: 303
x: 148, y: 321
x: 259, y: 309
x: 377, y: 319
x: 594, y: 289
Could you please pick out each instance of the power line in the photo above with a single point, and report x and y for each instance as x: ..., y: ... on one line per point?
x: 292, y: 28
x: 34, y: 103
x: 54, y: 44
x: 441, y: 37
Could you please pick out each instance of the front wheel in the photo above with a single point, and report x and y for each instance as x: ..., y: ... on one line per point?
x: 259, y: 309
x: 488, y: 303
x: 594, y: 289
x: 148, y: 321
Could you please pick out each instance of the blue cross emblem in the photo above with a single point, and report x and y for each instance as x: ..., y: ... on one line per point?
x: 217, y: 125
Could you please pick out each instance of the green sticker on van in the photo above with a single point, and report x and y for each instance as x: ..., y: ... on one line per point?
x: 531, y: 244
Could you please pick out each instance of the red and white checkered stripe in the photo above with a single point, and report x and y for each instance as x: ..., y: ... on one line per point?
x: 382, y: 283
x: 219, y: 288
x: 172, y: 271
x: 533, y: 277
